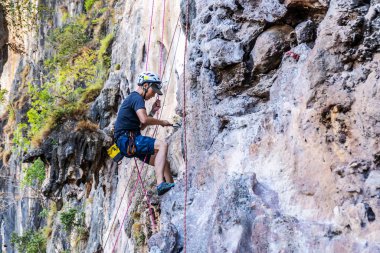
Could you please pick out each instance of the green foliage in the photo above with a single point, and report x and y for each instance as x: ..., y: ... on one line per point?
x: 104, y: 45
x: 138, y: 234
x: 88, y: 4
x: 29, y: 242
x: 102, y: 10
x: 44, y: 213
x: 72, y: 218
x: 67, y: 40
x: 68, y: 218
x: 35, y: 174
x: 65, y: 16
x: 74, y: 77
x: 81, y: 72
x: 91, y: 92
x: 20, y: 14
x: 49, y: 214
x: 21, y: 144
x: 41, y: 105
x: 3, y: 92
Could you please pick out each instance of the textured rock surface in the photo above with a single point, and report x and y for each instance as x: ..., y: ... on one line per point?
x: 165, y: 240
x: 305, y: 32
x: 301, y: 135
x: 283, y: 151
x: 269, y: 48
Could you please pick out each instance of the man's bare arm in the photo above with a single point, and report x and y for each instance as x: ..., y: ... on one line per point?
x: 146, y: 120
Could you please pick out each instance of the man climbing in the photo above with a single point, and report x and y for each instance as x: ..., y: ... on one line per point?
x: 132, y: 117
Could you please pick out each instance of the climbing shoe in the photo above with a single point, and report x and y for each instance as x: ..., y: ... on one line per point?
x: 164, y: 187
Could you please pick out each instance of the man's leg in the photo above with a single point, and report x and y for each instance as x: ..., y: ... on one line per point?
x: 160, y: 160
x: 167, y: 173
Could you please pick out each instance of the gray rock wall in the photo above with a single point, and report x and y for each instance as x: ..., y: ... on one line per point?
x: 282, y: 132
x: 281, y: 148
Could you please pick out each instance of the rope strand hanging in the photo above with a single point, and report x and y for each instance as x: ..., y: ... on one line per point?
x: 146, y: 68
x: 166, y: 62
x: 184, y: 124
x: 139, y: 174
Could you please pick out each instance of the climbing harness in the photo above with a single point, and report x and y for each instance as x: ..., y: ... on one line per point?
x: 115, y: 153
x: 131, y: 149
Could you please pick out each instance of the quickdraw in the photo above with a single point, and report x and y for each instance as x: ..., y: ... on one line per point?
x: 131, y: 149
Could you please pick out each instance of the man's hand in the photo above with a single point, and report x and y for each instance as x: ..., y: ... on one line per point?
x: 155, y: 107
x: 143, y: 126
x: 166, y: 123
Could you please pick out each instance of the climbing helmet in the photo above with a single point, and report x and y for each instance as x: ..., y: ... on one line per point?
x: 148, y: 77
x: 152, y: 79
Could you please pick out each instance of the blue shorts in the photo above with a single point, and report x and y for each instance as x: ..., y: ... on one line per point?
x: 144, y: 146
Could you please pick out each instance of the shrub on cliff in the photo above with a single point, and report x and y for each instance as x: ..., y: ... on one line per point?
x: 73, y: 77
x: 88, y: 4
x: 29, y: 242
x: 3, y: 93
x: 34, y: 174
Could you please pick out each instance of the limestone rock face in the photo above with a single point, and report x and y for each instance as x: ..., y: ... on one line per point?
x: 3, y: 29
x: 270, y: 46
x: 223, y: 53
x: 165, y: 240
x: 305, y: 32
x: 280, y: 160
x: 3, y: 40
x: 282, y: 132
x: 306, y: 3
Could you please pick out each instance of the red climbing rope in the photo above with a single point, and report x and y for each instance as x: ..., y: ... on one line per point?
x: 125, y: 215
x: 130, y: 200
x: 117, y: 211
x: 150, y: 33
x: 137, y: 167
x: 170, y: 48
x: 162, y: 38
x: 159, y: 113
x: 146, y: 68
x: 184, y: 122
x: 145, y: 193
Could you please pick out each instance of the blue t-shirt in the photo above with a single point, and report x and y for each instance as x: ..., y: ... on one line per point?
x: 127, y: 118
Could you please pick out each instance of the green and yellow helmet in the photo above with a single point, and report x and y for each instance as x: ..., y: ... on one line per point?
x: 152, y: 79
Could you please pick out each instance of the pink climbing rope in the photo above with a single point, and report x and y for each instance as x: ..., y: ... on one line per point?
x: 162, y: 38
x: 156, y: 126
x: 117, y: 211
x: 150, y: 33
x: 184, y: 124
x: 125, y: 215
x: 139, y: 174
x: 167, y: 87
x: 146, y: 68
